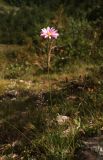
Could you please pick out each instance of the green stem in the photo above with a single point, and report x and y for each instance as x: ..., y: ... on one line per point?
x: 49, y: 56
x: 48, y: 68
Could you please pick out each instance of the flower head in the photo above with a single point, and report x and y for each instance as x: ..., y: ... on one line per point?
x: 49, y: 33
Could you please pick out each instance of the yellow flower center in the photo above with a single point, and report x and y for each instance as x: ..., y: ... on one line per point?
x: 49, y: 34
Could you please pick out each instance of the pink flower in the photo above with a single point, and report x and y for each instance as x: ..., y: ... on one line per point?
x: 49, y: 33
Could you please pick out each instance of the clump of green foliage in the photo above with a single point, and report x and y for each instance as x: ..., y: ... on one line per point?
x: 80, y: 31
x: 28, y: 126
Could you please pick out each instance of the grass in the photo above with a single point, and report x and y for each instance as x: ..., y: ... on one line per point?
x: 29, y: 128
x: 5, y: 6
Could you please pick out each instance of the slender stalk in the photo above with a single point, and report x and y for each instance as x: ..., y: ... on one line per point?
x: 49, y: 55
x: 48, y: 68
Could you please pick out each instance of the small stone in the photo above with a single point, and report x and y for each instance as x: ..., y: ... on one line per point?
x: 62, y: 119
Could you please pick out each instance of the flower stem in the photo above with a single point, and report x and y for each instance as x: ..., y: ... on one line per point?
x: 49, y: 56
x: 48, y: 68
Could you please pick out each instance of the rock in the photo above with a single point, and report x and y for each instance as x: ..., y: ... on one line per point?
x: 11, y: 93
x: 87, y: 155
x: 93, y: 149
x: 62, y: 119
